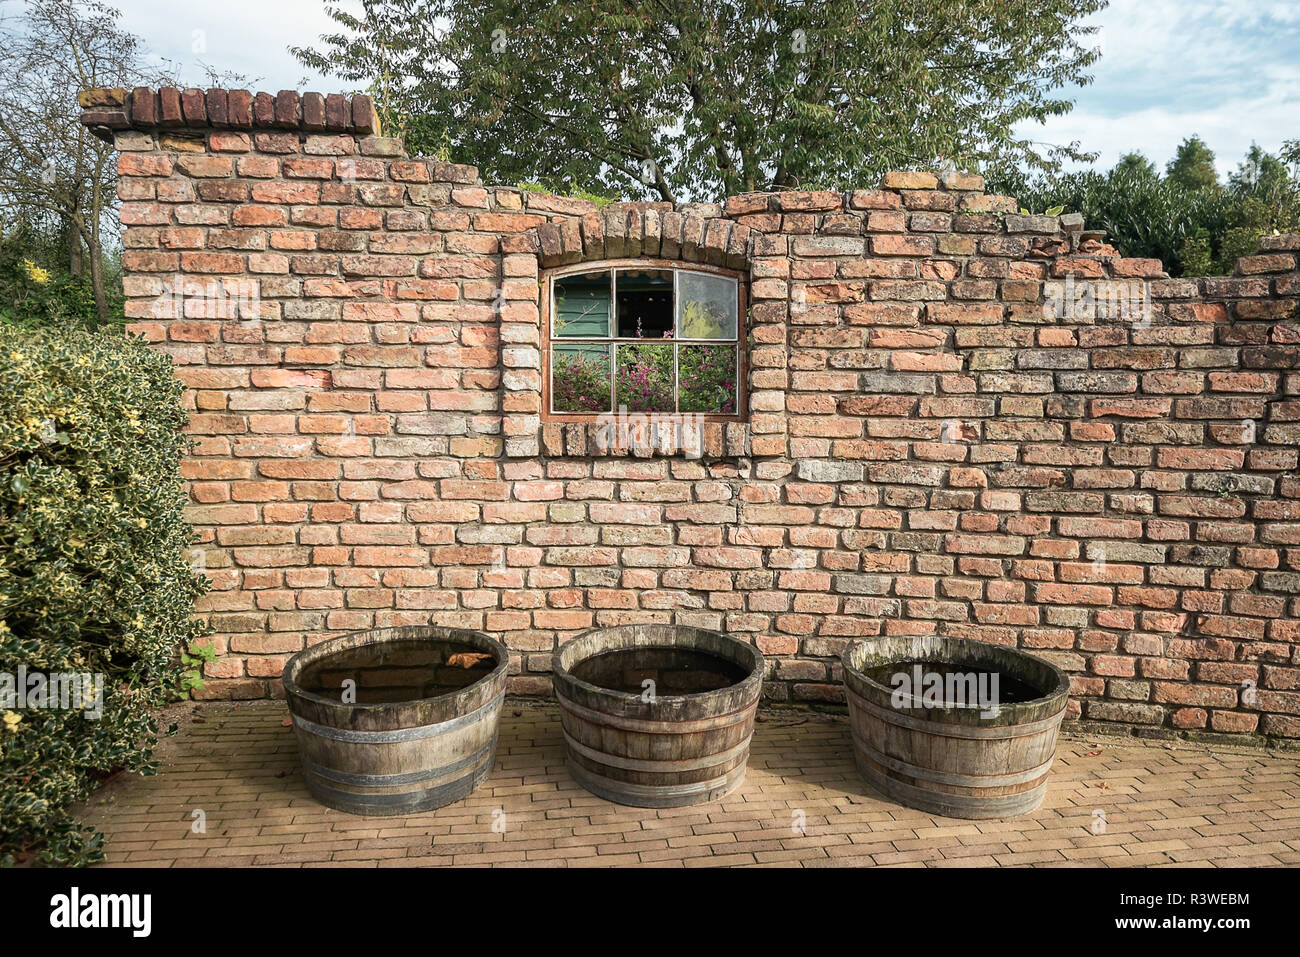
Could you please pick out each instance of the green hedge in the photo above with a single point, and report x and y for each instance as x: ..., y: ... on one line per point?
x: 95, y: 575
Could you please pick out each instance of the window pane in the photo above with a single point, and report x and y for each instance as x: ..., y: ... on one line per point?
x: 645, y: 303
x: 708, y: 379
x: 645, y: 377
x: 707, y: 309
x: 582, y: 305
x: 580, y: 378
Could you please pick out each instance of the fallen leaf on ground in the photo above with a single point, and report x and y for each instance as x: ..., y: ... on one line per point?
x: 287, y: 723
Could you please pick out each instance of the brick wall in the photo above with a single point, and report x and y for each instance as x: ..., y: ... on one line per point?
x: 926, y: 449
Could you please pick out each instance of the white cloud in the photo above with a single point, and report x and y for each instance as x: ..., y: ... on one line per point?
x: 1222, y: 69
x: 1229, y: 128
x: 250, y: 37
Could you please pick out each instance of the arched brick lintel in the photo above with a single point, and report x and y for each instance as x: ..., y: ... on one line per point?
x: 689, y: 233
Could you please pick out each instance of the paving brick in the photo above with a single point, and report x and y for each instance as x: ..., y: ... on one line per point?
x: 1171, y: 818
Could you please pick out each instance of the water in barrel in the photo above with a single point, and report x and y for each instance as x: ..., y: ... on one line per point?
x: 674, y: 670
x: 397, y: 671
x: 915, y: 676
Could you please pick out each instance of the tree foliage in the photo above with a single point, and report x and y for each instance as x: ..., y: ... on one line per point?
x: 675, y: 99
x: 58, y: 181
x: 1193, y: 165
x: 37, y: 289
x: 1194, y: 225
x: 1136, y: 164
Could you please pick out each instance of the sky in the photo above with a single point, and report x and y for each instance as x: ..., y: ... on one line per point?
x: 1228, y: 70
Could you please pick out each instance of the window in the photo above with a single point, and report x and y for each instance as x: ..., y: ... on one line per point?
x: 646, y: 338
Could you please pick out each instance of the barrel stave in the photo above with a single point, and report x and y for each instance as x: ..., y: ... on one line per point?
x: 403, y: 757
x: 668, y: 751
x: 955, y: 761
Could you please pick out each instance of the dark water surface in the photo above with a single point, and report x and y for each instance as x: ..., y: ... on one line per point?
x: 675, y: 671
x: 1009, y: 690
x: 395, y: 671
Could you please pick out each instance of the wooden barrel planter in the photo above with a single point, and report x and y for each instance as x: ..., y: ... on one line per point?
x: 417, y: 731
x: 951, y: 752
x: 683, y: 739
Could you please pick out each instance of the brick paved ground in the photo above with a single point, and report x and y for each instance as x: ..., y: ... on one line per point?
x: 1164, y: 805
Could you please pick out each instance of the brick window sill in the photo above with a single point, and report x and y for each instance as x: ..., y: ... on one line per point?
x: 647, y: 437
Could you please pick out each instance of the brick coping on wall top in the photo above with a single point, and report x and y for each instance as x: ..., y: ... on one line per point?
x: 107, y: 110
